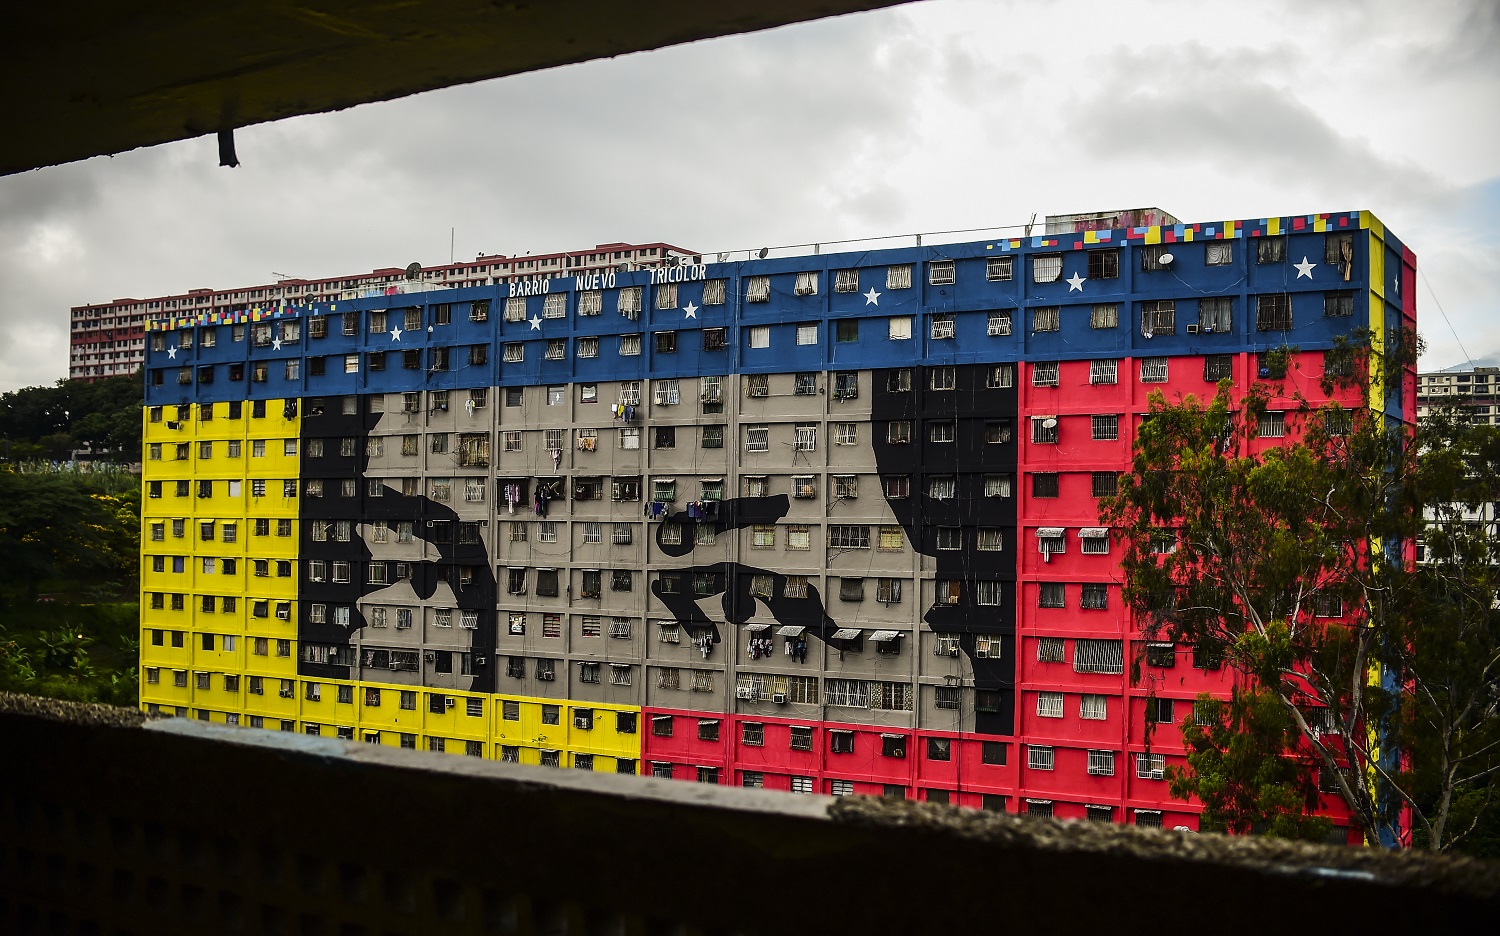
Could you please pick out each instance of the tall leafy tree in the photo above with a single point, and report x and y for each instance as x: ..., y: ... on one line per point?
x: 1294, y: 560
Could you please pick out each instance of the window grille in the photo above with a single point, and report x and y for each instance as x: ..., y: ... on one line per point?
x: 1044, y: 374
x: 1046, y: 268
x: 941, y: 272
x: 1098, y: 656
x: 1154, y: 370
x: 1273, y: 312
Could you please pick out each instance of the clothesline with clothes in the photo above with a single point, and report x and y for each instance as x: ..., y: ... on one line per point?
x: 625, y: 411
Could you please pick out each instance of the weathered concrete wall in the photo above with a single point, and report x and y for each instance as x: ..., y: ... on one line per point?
x: 111, y: 826
x: 94, y: 77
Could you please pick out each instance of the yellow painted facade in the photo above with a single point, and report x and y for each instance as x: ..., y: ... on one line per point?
x: 219, y: 574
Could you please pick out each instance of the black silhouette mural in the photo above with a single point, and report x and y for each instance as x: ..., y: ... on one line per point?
x: 336, y: 500
x: 955, y: 483
x: 948, y: 433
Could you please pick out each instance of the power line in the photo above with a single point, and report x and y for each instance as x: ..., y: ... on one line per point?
x: 1444, y: 314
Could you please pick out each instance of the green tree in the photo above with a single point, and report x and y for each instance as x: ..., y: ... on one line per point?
x: 66, y: 525
x: 1293, y: 559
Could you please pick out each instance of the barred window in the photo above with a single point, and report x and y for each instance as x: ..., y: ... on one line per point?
x: 1044, y: 484
x: 1154, y: 370
x: 1101, y: 764
x: 1095, y: 596
x: 1217, y: 367
x: 713, y: 292
x: 1051, y: 595
x: 940, y: 272
x: 1044, y: 374
x: 1158, y: 317
x: 1272, y: 424
x: 1104, y: 264
x: 1105, y: 484
x: 1105, y: 315
x: 1049, y: 650
x: 1044, y: 429
x: 1046, y: 268
x: 1104, y: 372
x: 1218, y: 253
x: 898, y: 276
x: 1046, y: 319
x: 999, y: 322
x: 942, y: 326
x: 1273, y: 312
x: 1049, y: 705
x: 1098, y: 656
x: 846, y: 281
x: 758, y: 289
x: 997, y: 269
x: 1093, y: 707
x: 1105, y: 428
x: 1038, y: 758
x: 843, y: 536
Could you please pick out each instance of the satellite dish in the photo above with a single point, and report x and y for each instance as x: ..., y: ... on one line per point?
x: 413, y: 271
x: 1049, y: 423
x: 723, y: 257
x: 763, y: 252
x: 622, y: 268
x: 671, y: 261
x: 1165, y: 259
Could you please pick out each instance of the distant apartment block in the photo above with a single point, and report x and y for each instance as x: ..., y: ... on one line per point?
x: 108, y: 338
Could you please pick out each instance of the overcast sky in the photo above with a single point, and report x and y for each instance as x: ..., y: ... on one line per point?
x: 939, y: 115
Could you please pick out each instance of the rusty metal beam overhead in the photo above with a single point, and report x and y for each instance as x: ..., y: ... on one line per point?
x: 93, y: 78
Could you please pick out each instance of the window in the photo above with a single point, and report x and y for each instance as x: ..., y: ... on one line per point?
x: 1105, y: 428
x: 1161, y: 654
x: 1095, y: 594
x: 1049, y: 650
x: 1000, y: 376
x: 898, y: 432
x: 1104, y: 264
x: 1046, y: 319
x: 1272, y: 424
x: 630, y: 345
x: 1217, y: 367
x: 1150, y: 767
x: 846, y: 331
x: 1271, y: 249
x: 1044, y: 374
x: 1098, y: 656
x: 1273, y: 313
x: 942, y: 326
x: 758, y: 289
x: 1051, y: 595
x: 941, y: 487
x: 898, y: 327
x: 807, y: 284
x: 1101, y: 764
x: 898, y: 276
x: 1093, y: 707
x: 1158, y: 317
x: 1214, y: 315
x: 1338, y: 304
x: 1104, y: 484
x: 1049, y: 705
x: 1046, y: 268
x: 1044, y: 484
x: 841, y: 536
x: 1218, y: 253
x: 942, y: 430
x: 806, y: 438
x: 628, y: 302
x: 998, y: 485
x: 1154, y: 370
x: 713, y: 292
x: 666, y: 342
x: 1151, y: 257
x: 1039, y: 758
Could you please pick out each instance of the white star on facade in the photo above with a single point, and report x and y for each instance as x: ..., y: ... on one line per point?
x: 872, y: 297
x: 275, y: 344
x: 536, y: 323
x: 691, y: 310
x: 1075, y: 283
x: 396, y: 333
x: 1304, y: 268
x: 172, y: 354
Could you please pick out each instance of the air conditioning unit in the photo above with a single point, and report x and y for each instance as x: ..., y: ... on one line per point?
x: 779, y: 698
x: 480, y: 661
x: 173, y: 424
x: 448, y: 701
x: 1192, y: 329
x: 586, y: 724
x: 545, y: 677
x: 430, y: 657
x: 744, y: 692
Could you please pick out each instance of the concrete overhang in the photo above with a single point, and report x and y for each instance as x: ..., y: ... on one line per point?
x: 92, y: 77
